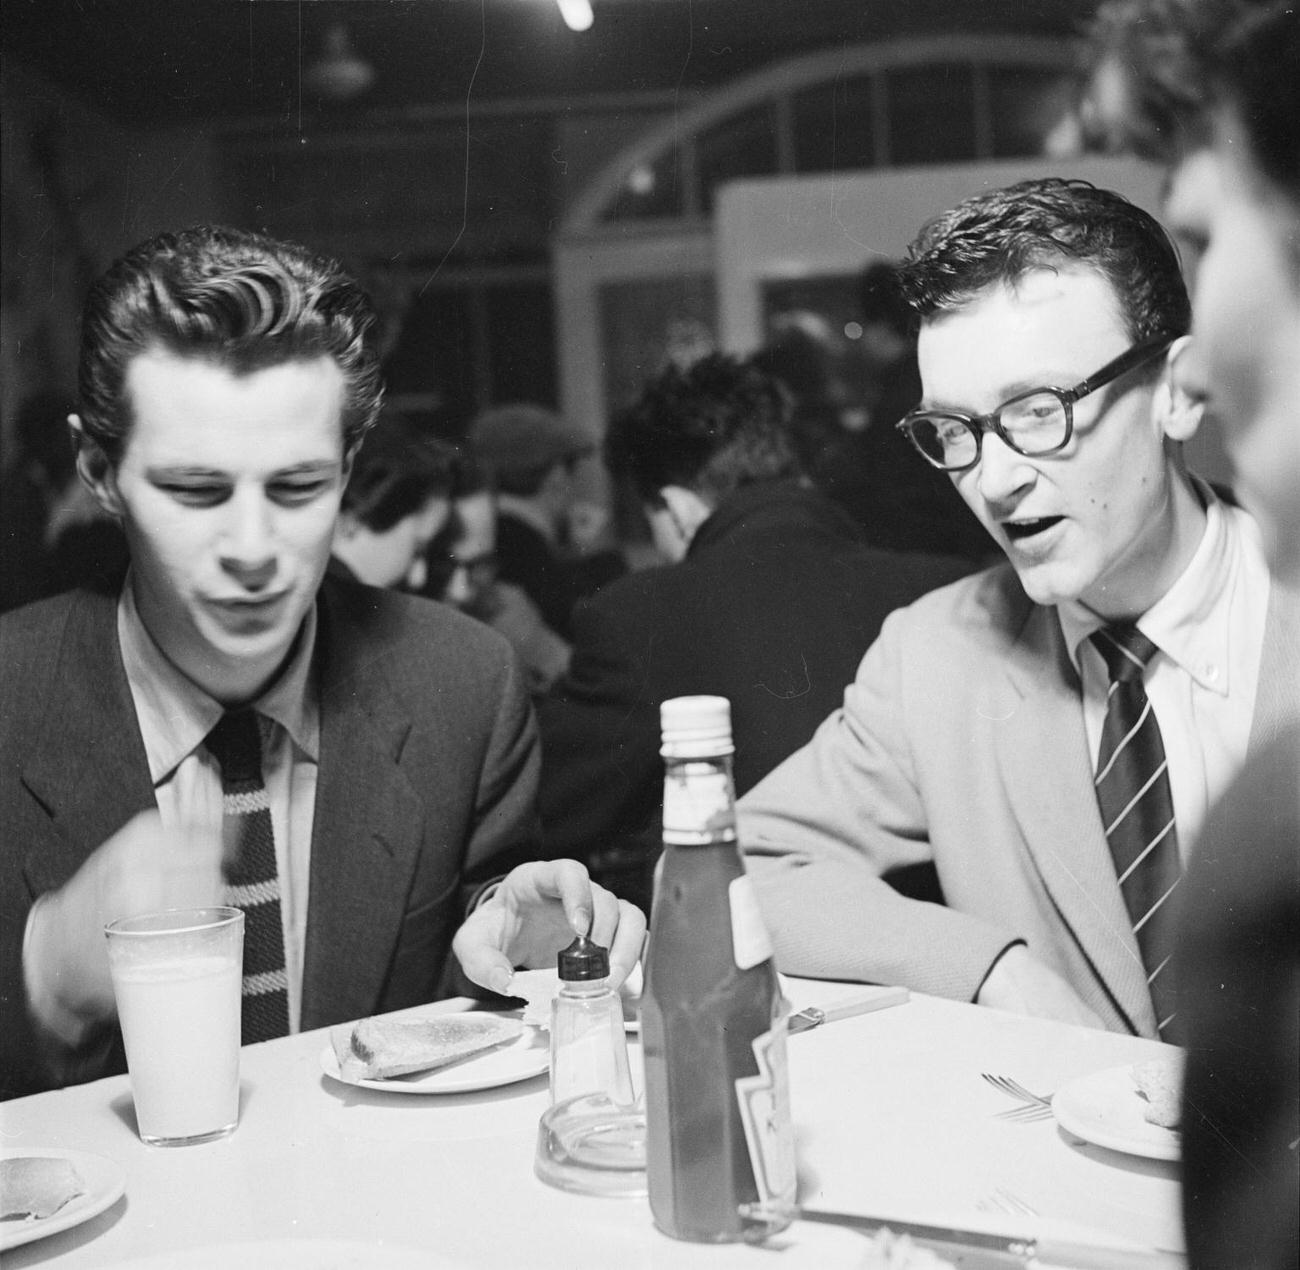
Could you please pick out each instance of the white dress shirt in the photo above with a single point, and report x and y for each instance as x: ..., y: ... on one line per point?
x: 1209, y: 630
x: 175, y: 716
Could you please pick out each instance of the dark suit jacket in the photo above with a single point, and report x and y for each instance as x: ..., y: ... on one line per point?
x: 773, y: 608
x: 426, y: 788
x: 1239, y: 996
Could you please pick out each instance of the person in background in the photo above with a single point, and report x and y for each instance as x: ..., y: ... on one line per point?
x: 397, y: 499
x: 873, y: 473
x: 545, y: 532
x: 226, y: 381
x: 805, y: 354
x: 981, y: 731
x: 463, y: 571
x: 53, y: 535
x: 1212, y: 90
x: 769, y: 599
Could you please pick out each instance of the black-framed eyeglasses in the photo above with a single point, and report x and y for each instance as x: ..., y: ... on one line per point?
x: 1033, y: 423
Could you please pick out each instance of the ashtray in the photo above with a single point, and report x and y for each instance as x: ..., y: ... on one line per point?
x: 594, y: 1146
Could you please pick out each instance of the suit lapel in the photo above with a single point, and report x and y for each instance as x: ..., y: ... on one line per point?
x: 366, y: 832
x: 1047, y: 772
x: 1276, y: 702
x: 88, y: 765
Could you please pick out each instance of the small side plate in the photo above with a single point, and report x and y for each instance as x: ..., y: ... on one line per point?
x: 527, y: 1055
x: 104, y: 1180
x: 1105, y: 1108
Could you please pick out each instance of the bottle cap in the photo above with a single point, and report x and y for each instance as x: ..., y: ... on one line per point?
x: 696, y: 726
x: 583, y: 960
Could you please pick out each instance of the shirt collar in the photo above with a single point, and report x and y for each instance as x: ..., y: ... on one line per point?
x: 1190, y: 622
x: 175, y: 714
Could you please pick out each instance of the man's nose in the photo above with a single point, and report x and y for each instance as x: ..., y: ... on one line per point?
x: 248, y: 541
x: 1001, y: 473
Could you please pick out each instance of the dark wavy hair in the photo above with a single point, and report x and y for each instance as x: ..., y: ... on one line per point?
x: 1181, y: 61
x: 999, y: 236
x: 242, y: 300
x: 1155, y: 52
x: 714, y: 427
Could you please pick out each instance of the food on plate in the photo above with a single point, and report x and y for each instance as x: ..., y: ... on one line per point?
x: 33, y: 1187
x: 1160, y: 1082
x: 380, y: 1048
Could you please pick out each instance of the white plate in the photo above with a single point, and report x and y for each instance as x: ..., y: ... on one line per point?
x: 529, y: 1054
x: 1105, y: 1108
x: 103, y: 1179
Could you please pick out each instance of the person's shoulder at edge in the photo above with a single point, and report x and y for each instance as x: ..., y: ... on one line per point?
x: 973, y: 607
x: 387, y: 622
x: 28, y: 633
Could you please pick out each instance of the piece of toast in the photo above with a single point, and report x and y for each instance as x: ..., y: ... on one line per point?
x: 36, y: 1186
x: 381, y: 1048
x: 1160, y: 1082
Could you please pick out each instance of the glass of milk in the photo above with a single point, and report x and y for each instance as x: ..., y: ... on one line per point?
x: 177, y: 977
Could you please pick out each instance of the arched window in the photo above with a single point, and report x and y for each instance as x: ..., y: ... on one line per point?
x: 635, y: 259
x: 897, y: 104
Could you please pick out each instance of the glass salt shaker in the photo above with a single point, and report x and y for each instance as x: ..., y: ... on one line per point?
x: 588, y: 1041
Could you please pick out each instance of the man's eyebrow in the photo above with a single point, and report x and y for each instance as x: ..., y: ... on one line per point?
x: 311, y: 467
x: 182, y: 472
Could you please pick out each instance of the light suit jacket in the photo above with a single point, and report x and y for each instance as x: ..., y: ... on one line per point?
x: 427, y: 784
x: 961, y: 740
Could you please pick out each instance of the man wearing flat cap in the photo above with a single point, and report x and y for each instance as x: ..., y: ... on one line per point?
x: 533, y: 456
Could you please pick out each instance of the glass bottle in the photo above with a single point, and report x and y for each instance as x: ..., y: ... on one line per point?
x: 588, y: 1040
x: 713, y: 1020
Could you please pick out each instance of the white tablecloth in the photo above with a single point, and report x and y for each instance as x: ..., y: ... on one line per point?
x: 890, y: 1113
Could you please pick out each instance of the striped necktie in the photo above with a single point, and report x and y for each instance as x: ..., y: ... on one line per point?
x: 1137, y: 808
x: 252, y: 883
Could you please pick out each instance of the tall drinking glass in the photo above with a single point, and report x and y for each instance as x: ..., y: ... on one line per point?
x: 177, y: 977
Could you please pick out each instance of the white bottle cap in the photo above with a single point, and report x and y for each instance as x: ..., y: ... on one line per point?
x: 696, y: 727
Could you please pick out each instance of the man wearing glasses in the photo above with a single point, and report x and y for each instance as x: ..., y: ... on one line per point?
x: 464, y: 569
x: 1050, y: 732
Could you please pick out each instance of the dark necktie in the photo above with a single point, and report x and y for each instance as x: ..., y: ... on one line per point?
x: 251, y: 879
x: 1137, y: 808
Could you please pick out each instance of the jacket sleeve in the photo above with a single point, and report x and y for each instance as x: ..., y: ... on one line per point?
x: 505, y: 830
x: 822, y: 828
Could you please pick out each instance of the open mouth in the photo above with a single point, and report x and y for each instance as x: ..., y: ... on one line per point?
x: 1021, y: 530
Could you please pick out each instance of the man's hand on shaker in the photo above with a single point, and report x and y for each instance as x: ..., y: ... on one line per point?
x: 1019, y: 982
x: 535, y: 912
x: 141, y: 869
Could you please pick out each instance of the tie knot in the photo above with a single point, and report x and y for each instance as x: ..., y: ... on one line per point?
x: 236, y: 744
x: 1125, y: 651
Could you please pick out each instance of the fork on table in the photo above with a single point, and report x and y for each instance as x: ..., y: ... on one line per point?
x: 1034, y: 1106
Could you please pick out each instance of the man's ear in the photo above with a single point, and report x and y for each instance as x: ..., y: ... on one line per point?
x: 1180, y: 397
x: 93, y: 466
